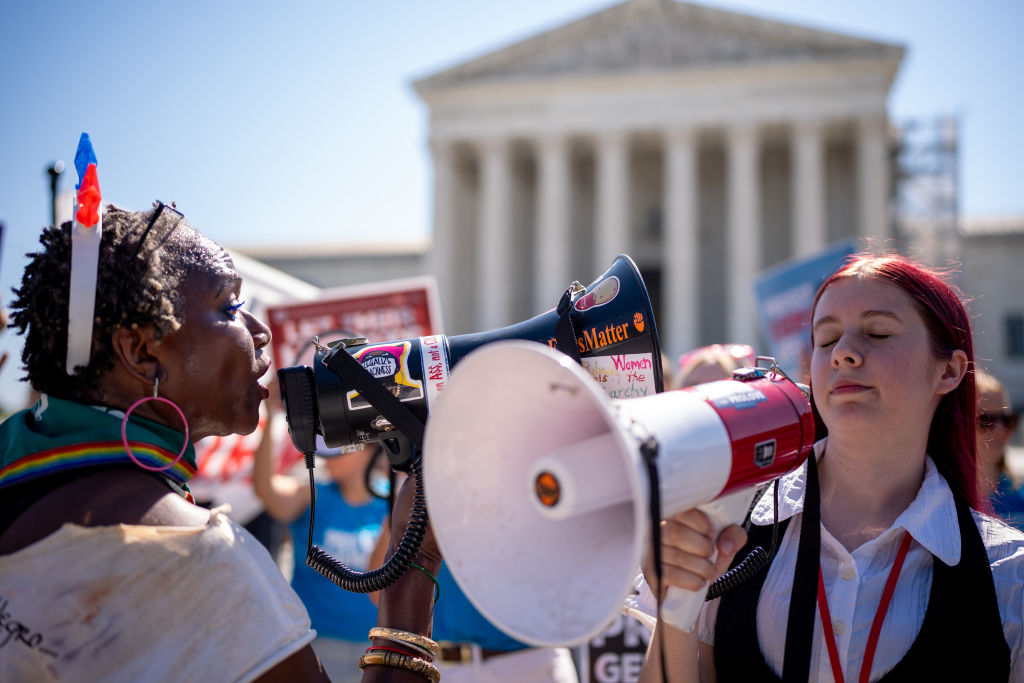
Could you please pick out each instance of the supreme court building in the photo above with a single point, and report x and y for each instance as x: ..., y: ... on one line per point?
x: 705, y: 144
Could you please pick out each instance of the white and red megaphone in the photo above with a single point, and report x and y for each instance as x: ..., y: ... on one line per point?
x: 537, y: 491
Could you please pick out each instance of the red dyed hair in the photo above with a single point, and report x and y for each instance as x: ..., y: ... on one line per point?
x: 951, y: 438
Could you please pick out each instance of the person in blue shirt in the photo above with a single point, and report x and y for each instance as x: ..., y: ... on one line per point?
x: 996, y: 425
x: 473, y: 650
x: 348, y: 525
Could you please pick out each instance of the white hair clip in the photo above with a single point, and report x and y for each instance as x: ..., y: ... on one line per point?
x: 86, y: 232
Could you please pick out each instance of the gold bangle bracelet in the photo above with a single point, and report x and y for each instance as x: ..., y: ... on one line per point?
x: 418, y: 651
x: 397, y: 660
x: 405, y: 637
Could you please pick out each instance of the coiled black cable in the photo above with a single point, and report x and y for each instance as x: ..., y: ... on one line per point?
x: 375, y: 579
x: 756, y: 560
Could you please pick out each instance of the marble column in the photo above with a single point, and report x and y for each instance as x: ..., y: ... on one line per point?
x: 872, y: 177
x: 442, y: 262
x: 808, y: 151
x: 612, y: 232
x: 743, y: 234
x: 681, y: 285
x: 492, y: 301
x: 552, y: 241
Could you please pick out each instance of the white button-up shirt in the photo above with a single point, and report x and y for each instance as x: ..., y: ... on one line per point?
x: 854, y: 581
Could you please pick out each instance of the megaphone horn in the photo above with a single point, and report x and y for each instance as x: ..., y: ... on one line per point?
x: 538, y: 496
x: 612, y: 330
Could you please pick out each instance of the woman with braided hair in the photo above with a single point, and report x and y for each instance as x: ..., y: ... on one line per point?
x: 108, y: 571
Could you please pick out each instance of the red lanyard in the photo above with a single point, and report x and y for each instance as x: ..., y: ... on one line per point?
x: 876, y: 625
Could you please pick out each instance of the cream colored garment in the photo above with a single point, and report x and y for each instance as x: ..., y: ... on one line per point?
x: 144, y: 603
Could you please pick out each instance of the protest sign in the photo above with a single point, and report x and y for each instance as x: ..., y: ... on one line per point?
x: 617, y: 655
x: 384, y: 311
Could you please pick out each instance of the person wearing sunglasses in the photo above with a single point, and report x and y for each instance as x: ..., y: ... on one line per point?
x: 996, y: 425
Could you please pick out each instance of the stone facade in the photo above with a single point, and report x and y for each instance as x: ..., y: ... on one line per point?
x: 992, y: 276
x: 705, y: 144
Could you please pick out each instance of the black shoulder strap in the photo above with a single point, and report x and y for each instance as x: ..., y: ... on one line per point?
x: 565, y: 332
x: 738, y: 656
x: 341, y: 362
x: 796, y: 663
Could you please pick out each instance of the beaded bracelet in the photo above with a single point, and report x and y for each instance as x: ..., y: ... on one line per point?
x: 400, y: 661
x: 405, y: 637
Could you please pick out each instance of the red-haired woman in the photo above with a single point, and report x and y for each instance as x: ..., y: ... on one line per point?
x: 883, y: 542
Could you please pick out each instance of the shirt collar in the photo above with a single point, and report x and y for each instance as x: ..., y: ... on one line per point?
x: 930, y: 518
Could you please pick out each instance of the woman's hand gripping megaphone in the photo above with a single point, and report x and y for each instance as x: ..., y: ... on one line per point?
x: 697, y: 546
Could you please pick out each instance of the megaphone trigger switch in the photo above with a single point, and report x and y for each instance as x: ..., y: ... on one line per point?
x: 547, y: 488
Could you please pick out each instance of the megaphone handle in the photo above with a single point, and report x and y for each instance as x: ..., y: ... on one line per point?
x: 682, y: 607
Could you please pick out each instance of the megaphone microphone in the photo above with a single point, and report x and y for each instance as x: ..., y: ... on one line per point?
x: 539, y: 498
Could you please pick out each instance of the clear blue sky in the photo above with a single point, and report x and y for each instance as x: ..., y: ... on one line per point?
x: 275, y: 122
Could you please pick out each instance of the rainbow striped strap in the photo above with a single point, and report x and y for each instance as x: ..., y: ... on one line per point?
x: 92, y: 454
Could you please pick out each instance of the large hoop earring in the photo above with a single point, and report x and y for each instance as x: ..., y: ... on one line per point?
x: 124, y: 429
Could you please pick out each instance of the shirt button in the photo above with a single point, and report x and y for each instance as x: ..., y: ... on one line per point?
x: 838, y: 627
x: 848, y: 573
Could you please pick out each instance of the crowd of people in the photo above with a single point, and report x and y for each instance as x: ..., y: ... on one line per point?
x: 891, y: 559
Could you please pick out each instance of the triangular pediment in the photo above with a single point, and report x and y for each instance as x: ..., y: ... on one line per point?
x: 650, y: 36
